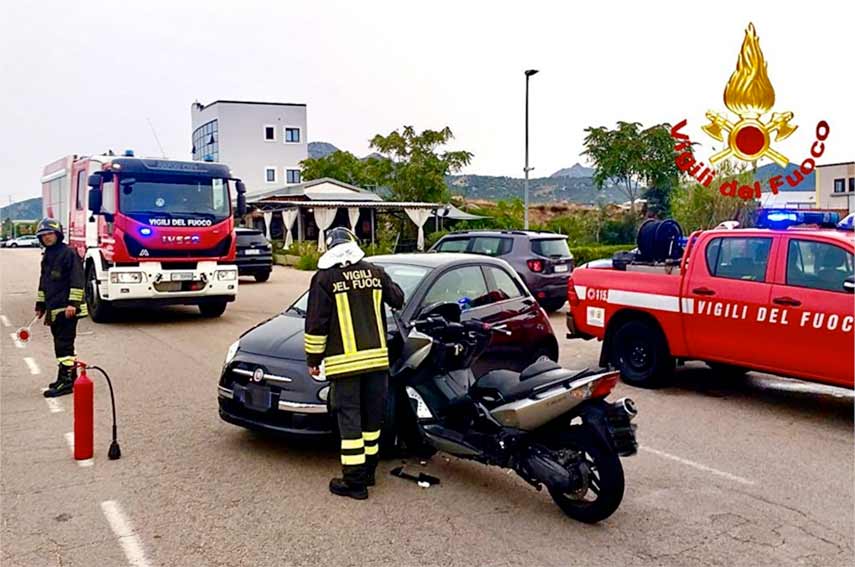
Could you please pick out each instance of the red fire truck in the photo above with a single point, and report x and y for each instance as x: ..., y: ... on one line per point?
x: 149, y: 231
x: 777, y: 299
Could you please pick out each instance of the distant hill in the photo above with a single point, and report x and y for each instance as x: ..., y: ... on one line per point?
x: 576, y: 170
x: 31, y: 209
x: 580, y: 190
x: 321, y: 149
x: 772, y: 169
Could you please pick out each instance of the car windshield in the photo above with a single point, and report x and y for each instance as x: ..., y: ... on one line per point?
x: 551, y: 247
x: 173, y: 200
x: 405, y: 275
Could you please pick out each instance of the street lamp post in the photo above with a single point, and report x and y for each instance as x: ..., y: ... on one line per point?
x: 528, y: 73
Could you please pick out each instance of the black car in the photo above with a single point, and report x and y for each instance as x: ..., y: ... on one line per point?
x: 254, y: 254
x: 542, y: 259
x: 265, y: 383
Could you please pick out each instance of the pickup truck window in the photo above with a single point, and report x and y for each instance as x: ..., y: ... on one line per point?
x: 818, y: 265
x: 738, y: 258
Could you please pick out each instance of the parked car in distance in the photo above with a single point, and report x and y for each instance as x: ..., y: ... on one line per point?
x: 542, y: 259
x: 264, y: 383
x: 26, y: 241
x: 254, y: 254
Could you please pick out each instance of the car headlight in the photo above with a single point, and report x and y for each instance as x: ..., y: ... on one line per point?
x: 230, y: 354
x: 226, y: 275
x: 126, y: 277
x: 324, y: 393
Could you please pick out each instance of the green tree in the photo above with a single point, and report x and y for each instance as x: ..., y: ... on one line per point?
x: 414, y: 169
x: 633, y: 156
x: 698, y: 207
x: 343, y: 166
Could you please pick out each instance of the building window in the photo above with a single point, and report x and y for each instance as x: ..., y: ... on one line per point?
x: 292, y: 135
x: 840, y: 185
x: 270, y: 174
x: 206, y: 142
x: 270, y: 133
x: 852, y: 184
x: 292, y: 175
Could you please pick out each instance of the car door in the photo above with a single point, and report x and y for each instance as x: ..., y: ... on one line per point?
x: 466, y: 285
x: 817, y: 342
x: 728, y: 288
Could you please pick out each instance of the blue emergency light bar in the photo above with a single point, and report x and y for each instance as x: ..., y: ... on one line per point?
x: 847, y: 223
x: 780, y: 219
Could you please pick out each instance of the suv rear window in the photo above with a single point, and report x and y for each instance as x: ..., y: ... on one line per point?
x: 491, y: 245
x: 453, y: 245
x: 551, y: 247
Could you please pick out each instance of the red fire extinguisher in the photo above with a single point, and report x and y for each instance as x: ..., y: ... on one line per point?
x: 84, y: 416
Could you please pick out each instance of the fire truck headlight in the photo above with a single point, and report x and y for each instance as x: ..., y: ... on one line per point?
x: 232, y: 352
x: 126, y: 277
x: 226, y: 275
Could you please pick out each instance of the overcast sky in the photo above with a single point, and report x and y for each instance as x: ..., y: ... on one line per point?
x: 82, y: 77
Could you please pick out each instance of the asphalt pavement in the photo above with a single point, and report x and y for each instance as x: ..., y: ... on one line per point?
x: 757, y: 471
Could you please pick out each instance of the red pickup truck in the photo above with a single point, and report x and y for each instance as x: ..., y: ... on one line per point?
x: 778, y: 301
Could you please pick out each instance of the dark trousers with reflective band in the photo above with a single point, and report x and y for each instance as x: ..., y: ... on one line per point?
x: 64, y: 333
x: 359, y: 403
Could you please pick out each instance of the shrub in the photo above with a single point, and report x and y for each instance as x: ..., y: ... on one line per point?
x: 584, y: 254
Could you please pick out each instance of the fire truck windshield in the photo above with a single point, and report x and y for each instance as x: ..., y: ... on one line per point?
x: 179, y: 200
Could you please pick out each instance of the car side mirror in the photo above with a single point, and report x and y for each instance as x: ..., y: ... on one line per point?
x: 849, y: 284
x: 241, y: 198
x: 95, y: 200
x: 448, y: 310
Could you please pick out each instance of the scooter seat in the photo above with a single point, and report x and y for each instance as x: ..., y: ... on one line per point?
x: 506, y: 385
x: 538, y: 367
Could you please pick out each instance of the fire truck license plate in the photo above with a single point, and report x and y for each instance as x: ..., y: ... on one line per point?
x: 561, y: 268
x: 181, y: 276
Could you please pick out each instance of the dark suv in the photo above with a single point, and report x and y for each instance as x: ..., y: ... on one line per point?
x: 542, y: 259
x: 254, y: 254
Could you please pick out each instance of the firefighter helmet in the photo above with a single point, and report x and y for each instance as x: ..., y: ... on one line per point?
x: 47, y: 225
x: 339, y: 235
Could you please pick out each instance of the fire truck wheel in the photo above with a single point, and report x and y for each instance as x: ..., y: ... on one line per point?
x: 99, y: 310
x: 641, y: 354
x: 213, y: 309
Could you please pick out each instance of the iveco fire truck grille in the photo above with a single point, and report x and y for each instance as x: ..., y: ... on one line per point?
x: 136, y: 248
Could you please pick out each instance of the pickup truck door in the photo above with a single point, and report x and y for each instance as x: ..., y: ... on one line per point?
x: 809, y: 283
x: 727, y: 285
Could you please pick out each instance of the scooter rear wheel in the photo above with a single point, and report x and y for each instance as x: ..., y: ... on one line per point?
x: 603, y: 490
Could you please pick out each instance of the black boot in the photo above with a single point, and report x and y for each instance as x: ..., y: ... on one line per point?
x: 60, y: 373
x: 370, y: 468
x: 64, y: 384
x: 343, y: 487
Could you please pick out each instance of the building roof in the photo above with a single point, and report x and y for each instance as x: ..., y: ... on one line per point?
x: 323, y: 189
x: 836, y: 164
x: 204, y: 106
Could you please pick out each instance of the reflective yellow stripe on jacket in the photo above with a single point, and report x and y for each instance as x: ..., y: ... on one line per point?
x: 315, y: 344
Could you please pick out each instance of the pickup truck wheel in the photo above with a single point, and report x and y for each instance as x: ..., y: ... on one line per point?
x: 213, y: 309
x: 641, y: 354
x: 99, y: 310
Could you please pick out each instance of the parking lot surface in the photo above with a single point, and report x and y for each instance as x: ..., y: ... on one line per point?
x: 757, y: 471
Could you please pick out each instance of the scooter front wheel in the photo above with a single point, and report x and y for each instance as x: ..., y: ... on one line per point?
x: 602, y: 489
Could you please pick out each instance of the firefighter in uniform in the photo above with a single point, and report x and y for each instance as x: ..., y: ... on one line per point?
x: 60, y: 302
x: 346, y: 333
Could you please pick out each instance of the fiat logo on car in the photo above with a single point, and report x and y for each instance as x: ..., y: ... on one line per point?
x: 257, y: 375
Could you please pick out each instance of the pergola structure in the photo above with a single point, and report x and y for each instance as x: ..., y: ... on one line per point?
x: 318, y: 205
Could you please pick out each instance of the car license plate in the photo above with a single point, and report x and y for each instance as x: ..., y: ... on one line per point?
x: 257, y: 398
x: 561, y: 268
x: 252, y: 252
x: 181, y: 276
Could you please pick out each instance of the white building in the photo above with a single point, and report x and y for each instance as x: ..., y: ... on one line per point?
x: 788, y: 200
x: 262, y: 142
x: 835, y: 186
